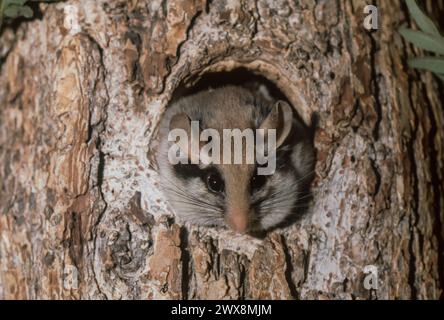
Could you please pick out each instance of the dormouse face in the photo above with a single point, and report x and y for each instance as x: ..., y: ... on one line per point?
x: 235, y: 195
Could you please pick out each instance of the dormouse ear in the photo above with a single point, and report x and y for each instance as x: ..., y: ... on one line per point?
x: 281, y: 119
x: 182, y: 121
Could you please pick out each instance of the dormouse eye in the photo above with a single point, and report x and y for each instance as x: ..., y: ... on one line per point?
x: 257, y: 182
x: 215, y: 183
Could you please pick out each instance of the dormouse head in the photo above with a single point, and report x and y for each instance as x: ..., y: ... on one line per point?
x: 233, y: 194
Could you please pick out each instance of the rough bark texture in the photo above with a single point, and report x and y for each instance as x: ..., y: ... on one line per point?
x: 82, y: 89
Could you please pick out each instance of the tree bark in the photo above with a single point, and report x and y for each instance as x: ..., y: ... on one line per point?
x: 82, y: 89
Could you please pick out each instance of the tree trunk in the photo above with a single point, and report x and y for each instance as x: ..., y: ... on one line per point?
x: 82, y: 88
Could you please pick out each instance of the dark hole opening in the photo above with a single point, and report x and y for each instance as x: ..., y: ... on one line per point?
x: 239, y: 77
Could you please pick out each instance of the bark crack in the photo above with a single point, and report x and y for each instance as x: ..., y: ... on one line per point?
x: 185, y: 259
x: 415, y: 214
x: 181, y: 43
x: 99, y: 128
x: 289, y: 270
x: 414, y: 217
x: 437, y: 188
x: 376, y: 88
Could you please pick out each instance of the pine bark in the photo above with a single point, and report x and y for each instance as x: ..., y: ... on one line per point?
x: 82, y: 89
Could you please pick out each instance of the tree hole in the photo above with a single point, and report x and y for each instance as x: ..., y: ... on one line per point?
x: 189, y: 183
x: 241, y: 77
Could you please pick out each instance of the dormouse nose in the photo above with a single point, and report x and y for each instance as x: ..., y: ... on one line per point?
x: 238, y: 220
x: 238, y: 199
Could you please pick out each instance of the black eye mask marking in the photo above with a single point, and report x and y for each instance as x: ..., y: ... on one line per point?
x: 188, y: 171
x: 210, y: 176
x: 257, y: 181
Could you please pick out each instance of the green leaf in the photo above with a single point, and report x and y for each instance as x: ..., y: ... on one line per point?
x: 14, y: 2
x: 424, y: 22
x: 433, y: 64
x: 14, y: 11
x: 423, y: 40
x: 26, y: 12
